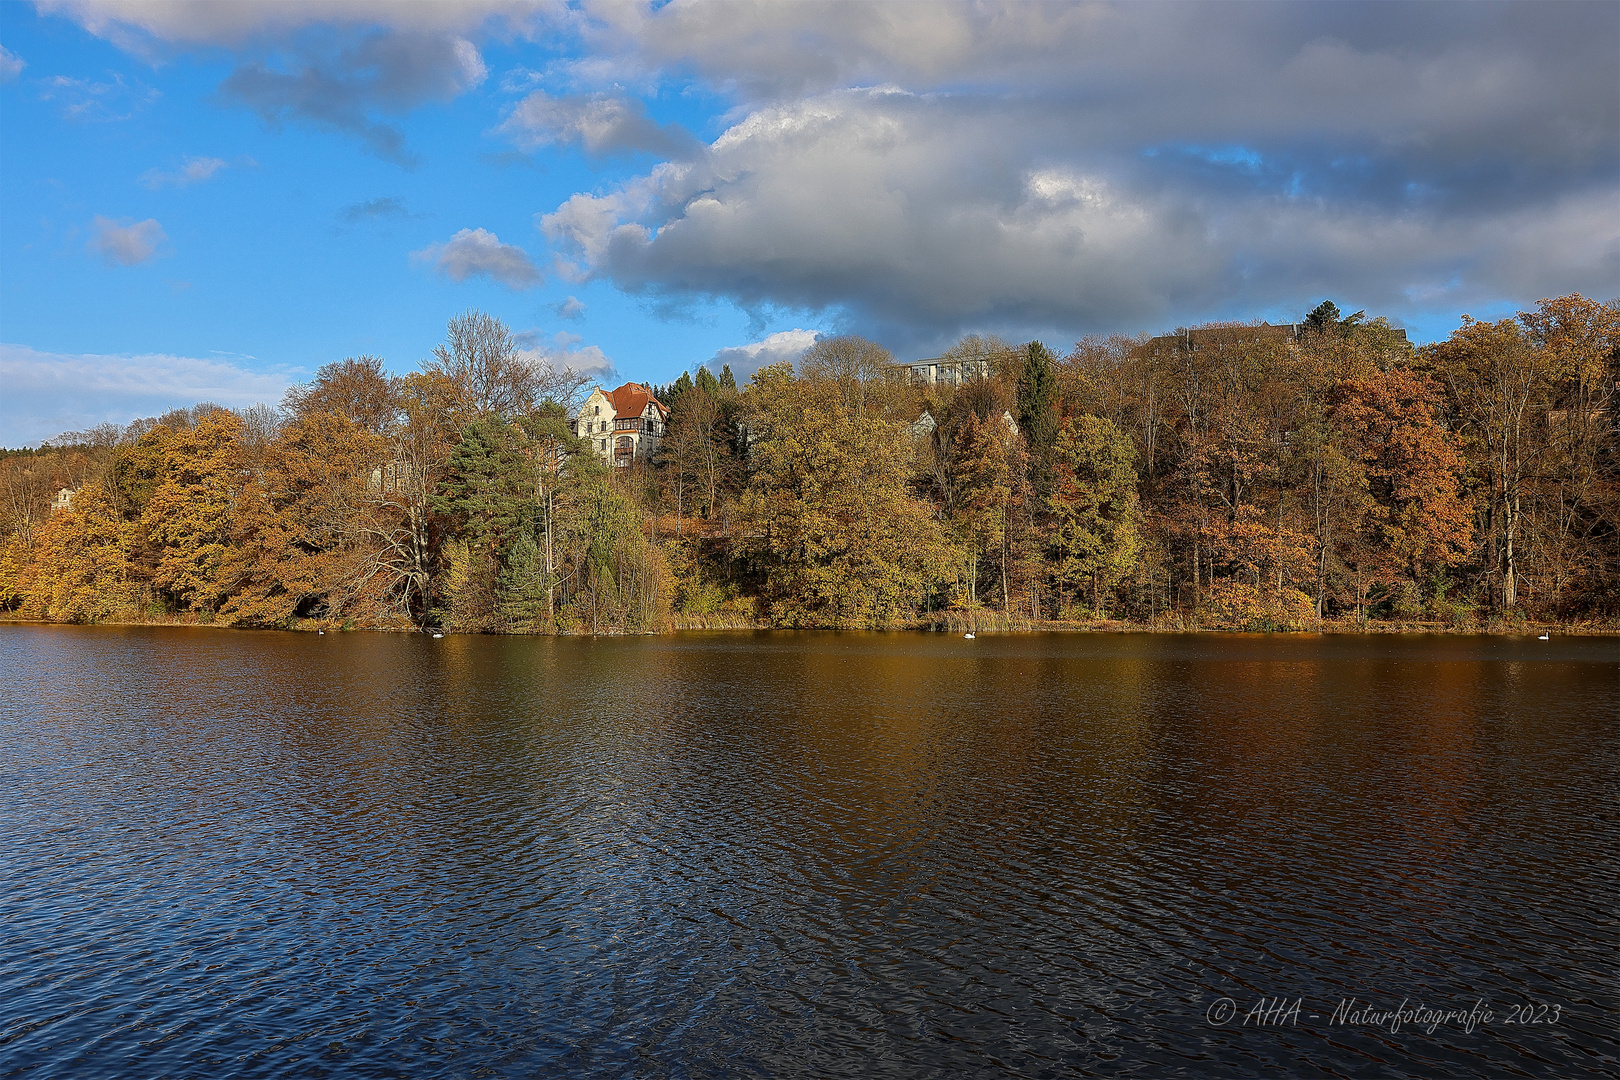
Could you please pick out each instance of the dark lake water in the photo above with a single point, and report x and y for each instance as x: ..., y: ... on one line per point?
x: 864, y: 855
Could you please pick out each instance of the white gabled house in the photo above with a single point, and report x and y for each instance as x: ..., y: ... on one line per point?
x: 622, y: 424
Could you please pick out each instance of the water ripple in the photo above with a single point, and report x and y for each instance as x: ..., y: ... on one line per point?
x: 812, y: 854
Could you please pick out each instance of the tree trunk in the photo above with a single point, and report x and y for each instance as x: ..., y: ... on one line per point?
x: 1510, y: 588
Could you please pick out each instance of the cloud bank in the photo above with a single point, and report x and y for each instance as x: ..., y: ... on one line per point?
x: 1097, y: 167
x: 49, y: 393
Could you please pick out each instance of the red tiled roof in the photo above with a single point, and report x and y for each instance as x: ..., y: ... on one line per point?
x: 631, y: 400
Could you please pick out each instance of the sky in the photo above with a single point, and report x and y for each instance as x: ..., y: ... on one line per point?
x: 208, y: 201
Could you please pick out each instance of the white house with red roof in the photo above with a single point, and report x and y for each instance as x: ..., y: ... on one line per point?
x: 622, y: 424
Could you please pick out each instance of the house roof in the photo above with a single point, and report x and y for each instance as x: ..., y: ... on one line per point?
x: 631, y: 400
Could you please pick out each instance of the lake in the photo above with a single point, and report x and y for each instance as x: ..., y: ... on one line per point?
x: 814, y: 854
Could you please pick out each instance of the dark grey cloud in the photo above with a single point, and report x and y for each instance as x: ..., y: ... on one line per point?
x: 1103, y: 167
x: 345, y: 88
x: 603, y: 124
x: 341, y: 66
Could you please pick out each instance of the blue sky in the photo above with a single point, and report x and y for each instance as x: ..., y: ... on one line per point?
x: 212, y: 200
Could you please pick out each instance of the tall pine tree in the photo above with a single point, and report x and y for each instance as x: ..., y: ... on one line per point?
x: 1037, y: 409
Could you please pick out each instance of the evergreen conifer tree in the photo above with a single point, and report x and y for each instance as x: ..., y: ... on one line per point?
x: 522, y: 587
x: 1037, y: 407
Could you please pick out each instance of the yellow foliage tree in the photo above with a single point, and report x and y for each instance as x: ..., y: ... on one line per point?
x: 81, y: 568
x: 842, y: 542
x: 188, y: 519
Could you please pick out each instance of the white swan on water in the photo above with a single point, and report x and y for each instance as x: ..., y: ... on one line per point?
x: 970, y: 635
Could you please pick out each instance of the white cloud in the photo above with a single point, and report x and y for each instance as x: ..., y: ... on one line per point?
x: 90, y: 101
x: 603, y: 124
x: 142, y: 25
x: 744, y: 360
x: 126, y: 244
x: 194, y: 170
x: 480, y: 253
x: 49, y: 393
x: 562, y: 354
x: 11, y: 65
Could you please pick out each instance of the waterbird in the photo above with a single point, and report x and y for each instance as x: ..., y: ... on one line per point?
x: 969, y: 635
x: 321, y: 632
x: 1544, y: 636
x: 436, y: 634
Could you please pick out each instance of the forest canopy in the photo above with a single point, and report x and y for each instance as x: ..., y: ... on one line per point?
x: 1229, y: 475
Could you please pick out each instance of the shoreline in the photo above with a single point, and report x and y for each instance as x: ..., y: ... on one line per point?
x: 957, y: 625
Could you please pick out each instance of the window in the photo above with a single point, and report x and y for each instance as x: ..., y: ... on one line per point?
x: 596, y: 411
x: 601, y: 444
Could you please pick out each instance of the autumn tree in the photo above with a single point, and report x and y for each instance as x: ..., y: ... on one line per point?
x: 395, y: 526
x: 81, y: 569
x: 1577, y: 496
x: 698, y: 451
x: 982, y: 487
x: 1496, y: 378
x: 1096, y: 518
x: 839, y: 539
x: 863, y: 374
x: 492, y: 375
x: 292, y: 553
x: 355, y: 389
x: 189, y: 515
x: 1413, y: 466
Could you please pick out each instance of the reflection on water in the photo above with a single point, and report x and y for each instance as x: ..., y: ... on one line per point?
x: 801, y: 854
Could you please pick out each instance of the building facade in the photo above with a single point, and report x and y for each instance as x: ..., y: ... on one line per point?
x: 622, y: 424
x: 937, y: 369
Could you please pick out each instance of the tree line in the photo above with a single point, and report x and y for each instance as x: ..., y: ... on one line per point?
x: 1227, y: 475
